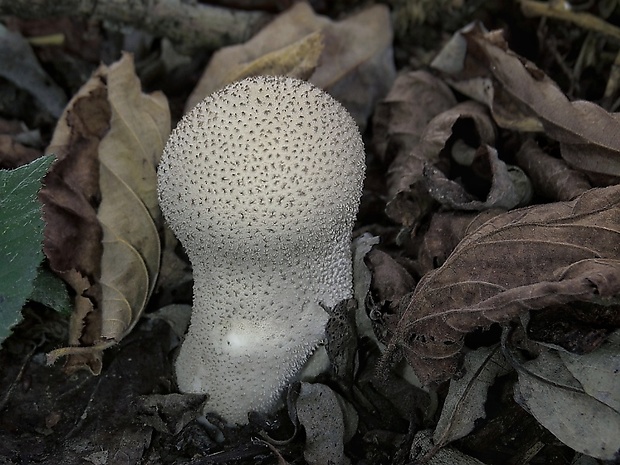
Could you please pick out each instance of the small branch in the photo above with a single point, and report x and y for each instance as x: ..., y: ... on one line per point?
x: 558, y: 10
x: 188, y: 24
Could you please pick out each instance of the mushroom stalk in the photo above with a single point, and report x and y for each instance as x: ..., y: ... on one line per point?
x: 261, y: 184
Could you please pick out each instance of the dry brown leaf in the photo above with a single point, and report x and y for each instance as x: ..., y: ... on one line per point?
x: 355, y: 64
x: 71, y: 192
x: 128, y: 213
x: 445, y: 231
x: 409, y: 198
x: 399, y: 119
x: 298, y: 60
x: 390, y: 280
x: 139, y: 128
x: 458, y: 131
x: 523, y: 260
x: 509, y: 186
x: 131, y: 255
x: 291, y: 26
x: 70, y: 197
x: 522, y: 97
x: 551, y: 177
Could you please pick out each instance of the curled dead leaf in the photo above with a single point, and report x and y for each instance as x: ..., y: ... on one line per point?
x: 551, y: 177
x: 71, y: 192
x: 351, y: 58
x: 526, y: 259
x: 298, y: 60
x: 509, y: 186
x: 445, y: 231
x: 129, y: 252
x: 521, y: 97
x: 390, y: 280
x: 450, y: 138
x: 399, y: 119
x: 459, y: 131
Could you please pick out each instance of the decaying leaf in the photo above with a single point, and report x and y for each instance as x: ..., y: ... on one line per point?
x: 551, y: 177
x: 464, y: 404
x: 445, y: 231
x: 298, y: 60
x: 71, y: 192
x: 70, y: 197
x: 423, y: 451
x: 509, y: 186
x: 354, y: 63
x: 450, y: 138
x: 547, y: 389
x: 128, y: 213
x: 521, y: 97
x: 597, y: 371
x: 522, y: 260
x: 329, y: 424
x: 399, y: 119
x: 391, y: 281
x: 458, y: 131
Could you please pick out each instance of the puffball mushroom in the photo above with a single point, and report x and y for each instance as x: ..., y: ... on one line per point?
x: 261, y: 183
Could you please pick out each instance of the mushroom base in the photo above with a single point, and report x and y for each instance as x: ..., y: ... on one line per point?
x: 243, y: 362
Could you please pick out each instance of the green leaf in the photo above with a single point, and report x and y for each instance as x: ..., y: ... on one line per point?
x: 51, y: 291
x: 21, y: 237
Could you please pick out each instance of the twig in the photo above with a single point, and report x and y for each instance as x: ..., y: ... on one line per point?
x: 558, y: 10
x: 188, y: 24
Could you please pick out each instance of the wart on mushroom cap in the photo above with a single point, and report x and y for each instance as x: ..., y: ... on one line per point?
x: 261, y: 183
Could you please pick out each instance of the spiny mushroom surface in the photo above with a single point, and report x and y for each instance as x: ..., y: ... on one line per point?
x: 261, y: 183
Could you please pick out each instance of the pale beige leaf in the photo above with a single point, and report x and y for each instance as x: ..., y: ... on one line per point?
x: 139, y: 128
x: 550, y: 393
x: 423, y: 450
x: 355, y: 65
x: 124, y: 285
x: 128, y: 154
x: 122, y: 212
x: 598, y: 371
x: 287, y: 28
x: 321, y: 415
x: 131, y: 255
x: 297, y: 60
x: 129, y: 209
x: 467, y: 395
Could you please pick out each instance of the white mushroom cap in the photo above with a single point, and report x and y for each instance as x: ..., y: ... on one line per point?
x: 261, y: 183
